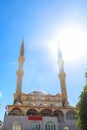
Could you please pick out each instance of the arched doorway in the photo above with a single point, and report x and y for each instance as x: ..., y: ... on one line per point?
x: 16, y: 111
x: 60, y: 115
x: 31, y: 112
x: 46, y: 112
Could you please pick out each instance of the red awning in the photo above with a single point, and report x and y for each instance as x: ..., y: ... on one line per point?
x: 35, y: 118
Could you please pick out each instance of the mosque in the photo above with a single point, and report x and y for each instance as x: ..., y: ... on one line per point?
x: 38, y: 110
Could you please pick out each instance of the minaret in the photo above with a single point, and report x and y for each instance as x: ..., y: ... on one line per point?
x: 62, y: 76
x: 20, y: 74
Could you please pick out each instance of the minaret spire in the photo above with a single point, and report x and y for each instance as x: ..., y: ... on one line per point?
x: 20, y: 74
x: 62, y: 76
x: 22, y: 48
x: 60, y: 60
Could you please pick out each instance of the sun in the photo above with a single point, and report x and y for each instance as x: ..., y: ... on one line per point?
x: 72, y: 41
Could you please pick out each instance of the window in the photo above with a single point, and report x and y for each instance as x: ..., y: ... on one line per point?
x: 30, y: 98
x: 71, y: 115
x: 51, y: 105
x: 16, y: 125
x: 50, y: 126
x: 35, y: 126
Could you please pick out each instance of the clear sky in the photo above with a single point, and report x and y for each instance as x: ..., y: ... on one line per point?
x: 43, y: 24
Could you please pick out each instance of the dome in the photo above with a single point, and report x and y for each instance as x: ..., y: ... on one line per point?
x: 38, y: 92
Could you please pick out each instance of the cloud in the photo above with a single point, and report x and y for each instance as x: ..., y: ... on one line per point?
x: 12, y: 63
x: 0, y: 94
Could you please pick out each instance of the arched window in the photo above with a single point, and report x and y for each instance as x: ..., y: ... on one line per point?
x: 71, y: 115
x: 16, y: 111
x: 46, y: 112
x: 31, y: 112
x: 60, y: 115
x: 50, y: 126
x: 35, y: 126
x: 16, y: 125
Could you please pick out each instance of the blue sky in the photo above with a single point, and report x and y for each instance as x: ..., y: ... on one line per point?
x: 42, y: 24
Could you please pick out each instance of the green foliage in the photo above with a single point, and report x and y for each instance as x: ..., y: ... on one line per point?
x: 82, y: 109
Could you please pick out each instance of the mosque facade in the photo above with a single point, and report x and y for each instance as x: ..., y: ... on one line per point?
x: 38, y: 110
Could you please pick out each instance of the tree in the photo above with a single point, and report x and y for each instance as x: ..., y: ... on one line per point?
x: 82, y: 109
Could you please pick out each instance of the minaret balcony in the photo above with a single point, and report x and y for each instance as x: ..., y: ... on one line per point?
x: 21, y: 59
x: 20, y: 73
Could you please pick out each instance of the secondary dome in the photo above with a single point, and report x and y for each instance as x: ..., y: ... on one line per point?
x: 38, y: 92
